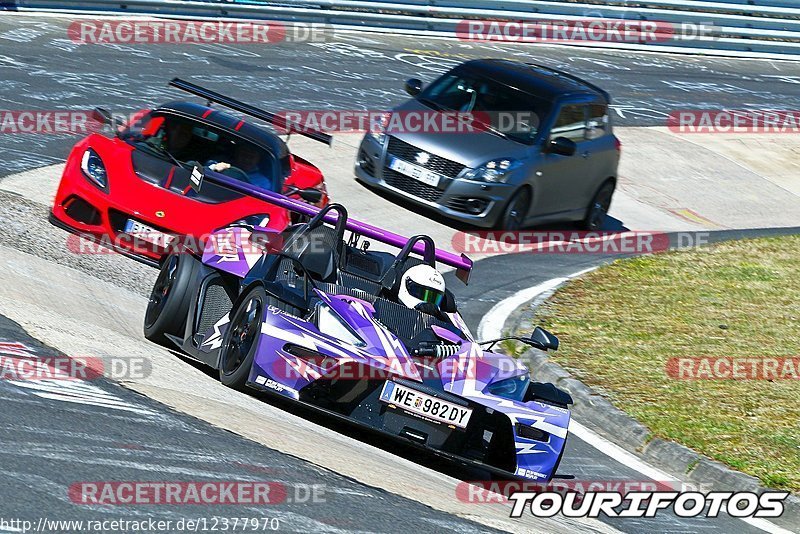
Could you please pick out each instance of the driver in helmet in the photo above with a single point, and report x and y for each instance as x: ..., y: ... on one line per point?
x: 422, y: 288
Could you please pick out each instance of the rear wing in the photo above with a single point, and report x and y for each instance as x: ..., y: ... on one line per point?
x: 462, y: 263
x: 247, y: 109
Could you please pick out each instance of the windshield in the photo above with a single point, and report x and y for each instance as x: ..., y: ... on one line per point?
x: 513, y: 113
x: 186, y: 143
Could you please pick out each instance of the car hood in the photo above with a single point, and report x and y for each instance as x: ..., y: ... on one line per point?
x: 468, y: 148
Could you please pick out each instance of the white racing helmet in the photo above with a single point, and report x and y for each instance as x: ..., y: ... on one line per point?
x: 419, y: 284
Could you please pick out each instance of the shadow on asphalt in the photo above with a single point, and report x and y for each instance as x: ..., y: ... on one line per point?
x: 611, y: 224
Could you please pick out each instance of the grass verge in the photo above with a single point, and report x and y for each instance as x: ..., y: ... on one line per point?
x: 620, y: 326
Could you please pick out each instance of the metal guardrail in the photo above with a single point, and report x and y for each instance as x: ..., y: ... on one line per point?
x: 754, y: 28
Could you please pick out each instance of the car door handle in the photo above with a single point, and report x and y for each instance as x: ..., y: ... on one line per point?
x: 586, y: 154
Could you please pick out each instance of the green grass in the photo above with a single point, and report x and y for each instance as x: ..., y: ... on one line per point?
x: 620, y: 324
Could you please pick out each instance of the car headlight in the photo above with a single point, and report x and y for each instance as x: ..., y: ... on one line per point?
x: 511, y: 388
x: 377, y: 128
x: 94, y: 169
x: 262, y: 220
x: 496, y: 170
x: 329, y: 323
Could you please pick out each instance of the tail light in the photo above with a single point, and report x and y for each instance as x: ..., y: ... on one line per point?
x: 618, y: 145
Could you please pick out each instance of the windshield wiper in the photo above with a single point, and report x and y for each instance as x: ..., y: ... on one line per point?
x: 491, y: 129
x: 431, y: 103
x: 162, y: 150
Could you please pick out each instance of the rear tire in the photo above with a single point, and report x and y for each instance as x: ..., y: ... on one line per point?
x: 240, y: 341
x: 169, y: 300
x: 598, y: 208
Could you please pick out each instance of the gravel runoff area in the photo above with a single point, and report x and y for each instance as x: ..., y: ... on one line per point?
x: 627, y: 328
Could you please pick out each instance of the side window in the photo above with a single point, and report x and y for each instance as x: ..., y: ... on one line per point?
x: 571, y: 123
x: 598, y: 121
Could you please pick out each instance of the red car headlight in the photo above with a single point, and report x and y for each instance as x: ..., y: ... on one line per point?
x: 94, y: 169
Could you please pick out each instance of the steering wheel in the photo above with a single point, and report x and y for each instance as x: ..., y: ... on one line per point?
x: 234, y: 172
x: 237, y: 174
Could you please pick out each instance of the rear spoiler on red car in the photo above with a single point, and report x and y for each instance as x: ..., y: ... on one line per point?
x: 247, y: 109
x: 462, y: 263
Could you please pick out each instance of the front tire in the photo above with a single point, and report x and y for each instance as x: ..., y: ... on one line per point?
x: 513, y: 217
x: 169, y: 300
x: 240, y: 341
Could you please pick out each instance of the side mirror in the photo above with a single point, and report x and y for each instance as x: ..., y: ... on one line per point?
x: 543, y: 340
x: 106, y: 118
x: 413, y: 86
x: 103, y: 116
x: 311, y: 195
x: 563, y: 146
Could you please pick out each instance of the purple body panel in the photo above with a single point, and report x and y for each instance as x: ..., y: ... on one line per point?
x: 383, y: 356
x: 231, y: 250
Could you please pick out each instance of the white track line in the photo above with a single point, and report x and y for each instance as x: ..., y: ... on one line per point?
x: 491, y: 327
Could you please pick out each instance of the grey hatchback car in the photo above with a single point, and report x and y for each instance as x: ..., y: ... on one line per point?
x: 546, y: 152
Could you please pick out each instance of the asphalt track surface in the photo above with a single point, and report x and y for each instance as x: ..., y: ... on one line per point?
x: 42, y: 69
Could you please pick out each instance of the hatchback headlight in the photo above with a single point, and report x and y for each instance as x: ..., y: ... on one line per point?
x: 496, y: 170
x: 377, y: 127
x: 511, y: 388
x: 94, y: 169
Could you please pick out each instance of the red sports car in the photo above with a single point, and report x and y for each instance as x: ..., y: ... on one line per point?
x: 131, y: 191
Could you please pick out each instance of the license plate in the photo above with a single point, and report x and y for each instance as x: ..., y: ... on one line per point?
x: 427, y: 406
x: 418, y: 173
x: 147, y: 233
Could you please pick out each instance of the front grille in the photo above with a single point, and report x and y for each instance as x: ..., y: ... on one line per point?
x: 411, y: 186
x: 407, y: 152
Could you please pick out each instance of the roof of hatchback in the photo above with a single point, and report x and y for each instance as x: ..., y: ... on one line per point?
x: 544, y: 81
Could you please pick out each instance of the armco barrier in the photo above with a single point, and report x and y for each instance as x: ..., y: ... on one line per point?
x: 742, y: 28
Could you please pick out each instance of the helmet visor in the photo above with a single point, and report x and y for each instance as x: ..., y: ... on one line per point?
x: 424, y: 293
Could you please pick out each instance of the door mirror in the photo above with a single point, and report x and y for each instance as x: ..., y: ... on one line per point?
x: 413, y: 86
x: 563, y: 146
x: 103, y: 116
x: 311, y: 195
x: 106, y: 118
x: 543, y: 340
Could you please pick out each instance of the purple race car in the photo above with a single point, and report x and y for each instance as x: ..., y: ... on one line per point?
x: 313, y: 315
